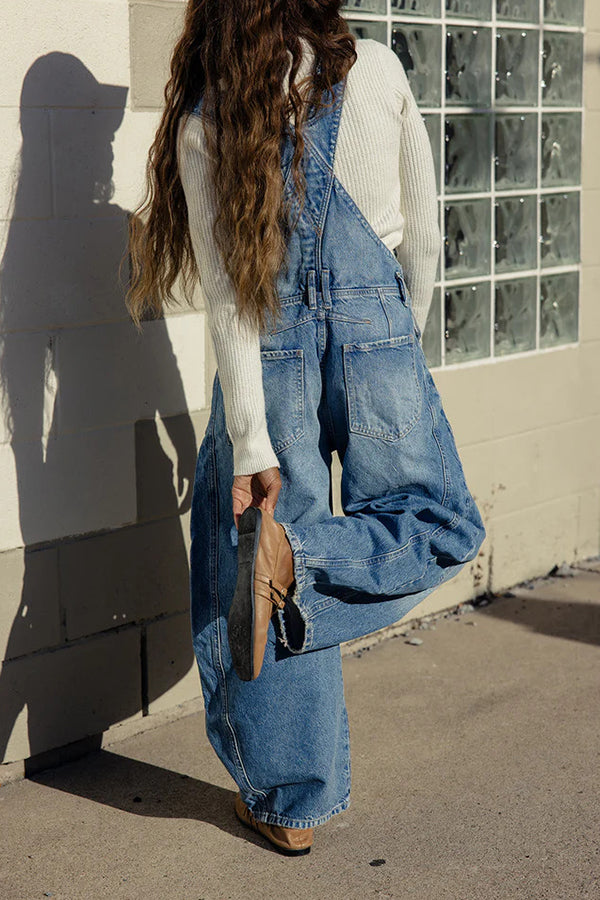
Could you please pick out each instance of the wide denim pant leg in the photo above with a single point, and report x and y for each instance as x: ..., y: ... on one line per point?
x: 284, y: 737
x: 410, y: 522
x: 343, y: 371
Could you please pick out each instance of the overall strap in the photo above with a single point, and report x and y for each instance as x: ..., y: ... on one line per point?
x: 323, y: 128
x: 320, y: 132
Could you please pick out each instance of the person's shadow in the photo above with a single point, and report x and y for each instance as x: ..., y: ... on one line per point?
x: 104, y: 447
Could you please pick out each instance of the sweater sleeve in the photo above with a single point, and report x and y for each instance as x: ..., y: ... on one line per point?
x: 419, y: 251
x: 236, y: 344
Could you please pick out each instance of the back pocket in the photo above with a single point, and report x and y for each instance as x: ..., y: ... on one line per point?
x: 283, y: 382
x: 383, y: 391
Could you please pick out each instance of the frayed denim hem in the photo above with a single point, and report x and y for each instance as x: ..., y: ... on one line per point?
x: 272, y: 818
x: 295, y: 600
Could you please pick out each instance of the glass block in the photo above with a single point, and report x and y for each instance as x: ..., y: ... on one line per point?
x: 564, y: 12
x: 518, y: 10
x: 516, y: 162
x: 516, y: 233
x: 468, y: 151
x: 420, y: 50
x: 467, y: 322
x: 433, y: 126
x: 432, y: 333
x: 559, y: 309
x: 377, y: 31
x: 560, y: 229
x: 514, y: 316
x: 562, y: 63
x: 468, y: 66
x: 417, y: 7
x: 438, y: 271
x: 467, y: 241
x: 366, y: 6
x: 469, y: 9
x: 517, y: 67
x: 561, y: 149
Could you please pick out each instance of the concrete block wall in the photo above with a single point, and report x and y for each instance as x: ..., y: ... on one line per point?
x: 101, y: 426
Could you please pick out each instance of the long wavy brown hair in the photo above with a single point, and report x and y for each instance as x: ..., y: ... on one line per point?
x: 233, y: 54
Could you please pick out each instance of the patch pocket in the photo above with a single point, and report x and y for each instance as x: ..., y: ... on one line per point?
x: 283, y: 382
x: 383, y: 391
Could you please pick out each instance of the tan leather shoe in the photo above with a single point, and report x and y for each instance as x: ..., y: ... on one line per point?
x: 289, y: 841
x: 265, y: 576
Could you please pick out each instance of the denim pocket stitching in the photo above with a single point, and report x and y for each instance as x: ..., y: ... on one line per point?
x: 298, y: 418
x: 307, y: 318
x: 354, y: 405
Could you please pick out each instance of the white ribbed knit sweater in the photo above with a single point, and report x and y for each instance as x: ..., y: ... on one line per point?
x: 383, y: 159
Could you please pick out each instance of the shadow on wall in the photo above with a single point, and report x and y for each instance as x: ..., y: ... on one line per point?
x: 86, y: 400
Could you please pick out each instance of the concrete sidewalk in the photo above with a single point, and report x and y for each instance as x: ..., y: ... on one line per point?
x: 476, y: 775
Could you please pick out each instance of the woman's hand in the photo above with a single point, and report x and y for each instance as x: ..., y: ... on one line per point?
x: 261, y: 489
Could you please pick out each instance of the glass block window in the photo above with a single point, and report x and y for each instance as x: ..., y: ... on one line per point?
x: 499, y: 84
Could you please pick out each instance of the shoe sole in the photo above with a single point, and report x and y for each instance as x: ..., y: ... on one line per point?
x: 240, y: 623
x: 282, y: 850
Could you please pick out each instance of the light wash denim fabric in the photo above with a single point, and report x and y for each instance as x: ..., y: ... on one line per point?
x: 344, y: 370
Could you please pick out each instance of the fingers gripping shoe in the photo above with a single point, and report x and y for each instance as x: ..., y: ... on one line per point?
x: 289, y: 841
x: 265, y: 576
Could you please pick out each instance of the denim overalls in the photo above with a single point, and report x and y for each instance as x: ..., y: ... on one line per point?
x: 343, y: 370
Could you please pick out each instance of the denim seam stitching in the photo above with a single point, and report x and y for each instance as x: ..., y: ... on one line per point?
x: 294, y: 324
x: 331, y: 601
x: 364, y: 291
x: 235, y: 744
x: 382, y: 298
x: 348, y: 766
x: 441, y: 452
x: 323, y: 218
x: 270, y: 818
x: 340, y: 317
x: 392, y: 554
x: 296, y: 354
x: 369, y: 560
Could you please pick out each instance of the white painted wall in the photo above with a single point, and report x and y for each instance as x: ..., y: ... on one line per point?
x: 75, y: 377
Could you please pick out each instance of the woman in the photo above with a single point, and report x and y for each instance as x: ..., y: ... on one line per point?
x: 290, y: 162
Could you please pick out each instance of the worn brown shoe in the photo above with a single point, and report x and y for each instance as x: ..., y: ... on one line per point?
x: 289, y: 841
x: 265, y: 576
